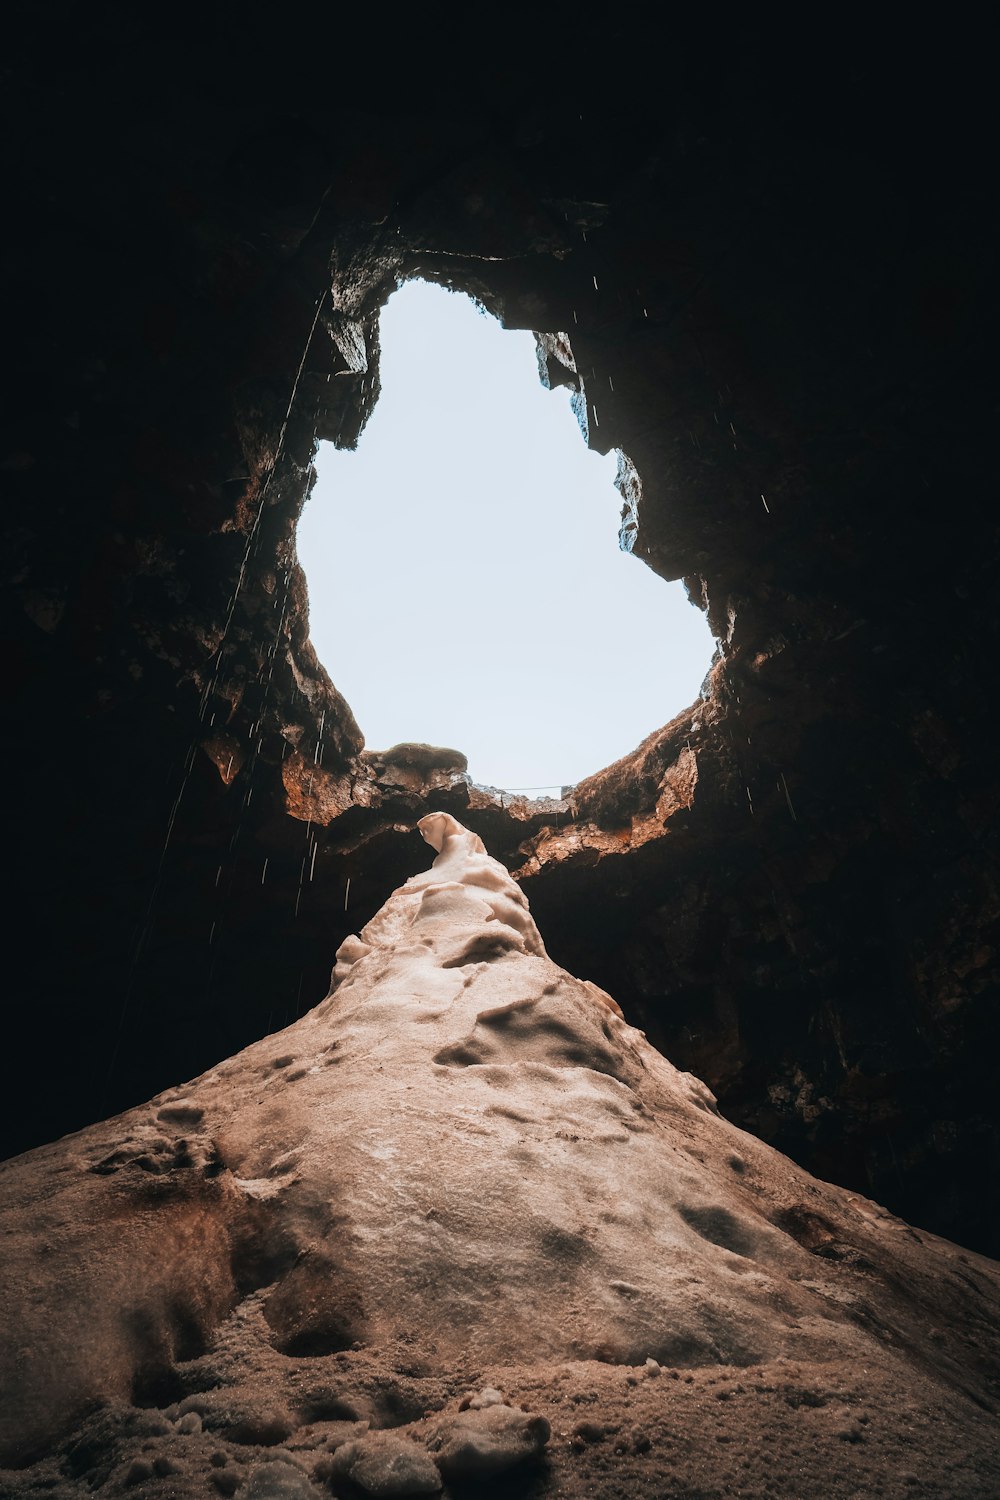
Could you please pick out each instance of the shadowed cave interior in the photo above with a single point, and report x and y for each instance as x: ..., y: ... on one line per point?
x: 791, y: 888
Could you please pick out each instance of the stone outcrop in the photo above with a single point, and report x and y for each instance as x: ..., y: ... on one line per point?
x: 395, y: 1246
x: 766, y: 277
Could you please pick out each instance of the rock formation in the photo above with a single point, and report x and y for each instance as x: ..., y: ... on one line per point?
x: 764, y: 267
x: 462, y: 1223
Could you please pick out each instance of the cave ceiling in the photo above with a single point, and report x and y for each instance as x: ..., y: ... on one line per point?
x: 777, y: 301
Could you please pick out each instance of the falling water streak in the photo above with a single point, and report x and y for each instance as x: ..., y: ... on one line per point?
x: 347, y: 892
x: 765, y: 504
x: 788, y: 799
x: 302, y: 867
x: 312, y: 862
x: 171, y: 820
x: 277, y: 637
x: 263, y: 872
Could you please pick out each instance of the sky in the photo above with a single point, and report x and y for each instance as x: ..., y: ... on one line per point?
x: 466, y: 587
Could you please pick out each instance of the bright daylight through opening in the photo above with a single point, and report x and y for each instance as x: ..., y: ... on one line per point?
x: 465, y: 582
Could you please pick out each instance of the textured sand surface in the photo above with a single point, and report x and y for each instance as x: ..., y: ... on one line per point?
x: 463, y: 1179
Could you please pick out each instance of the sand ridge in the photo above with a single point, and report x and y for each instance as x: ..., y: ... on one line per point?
x: 465, y: 1170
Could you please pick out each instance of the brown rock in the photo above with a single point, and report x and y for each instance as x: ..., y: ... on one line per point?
x: 382, y: 1464
x: 476, y: 1446
x: 466, y: 1189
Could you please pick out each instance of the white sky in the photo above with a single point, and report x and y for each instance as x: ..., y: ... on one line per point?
x: 465, y: 582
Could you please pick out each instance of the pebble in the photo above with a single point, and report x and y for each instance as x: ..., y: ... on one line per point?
x: 264, y: 1428
x: 479, y: 1444
x: 589, y: 1432
x: 139, y: 1471
x: 487, y: 1397
x: 227, y: 1481
x: 384, y: 1465
x: 151, y: 1424
x: 190, y: 1422
x: 276, y: 1481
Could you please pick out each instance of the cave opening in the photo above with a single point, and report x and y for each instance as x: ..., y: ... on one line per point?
x: 466, y: 587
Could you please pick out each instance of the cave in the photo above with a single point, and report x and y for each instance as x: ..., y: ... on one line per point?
x: 472, y: 475
x: 768, y: 280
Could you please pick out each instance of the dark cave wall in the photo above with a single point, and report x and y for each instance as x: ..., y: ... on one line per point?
x: 793, y: 887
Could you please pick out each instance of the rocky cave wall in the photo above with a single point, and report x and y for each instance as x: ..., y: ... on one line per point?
x: 773, y: 291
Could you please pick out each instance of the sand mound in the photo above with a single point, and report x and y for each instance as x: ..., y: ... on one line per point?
x: 463, y: 1161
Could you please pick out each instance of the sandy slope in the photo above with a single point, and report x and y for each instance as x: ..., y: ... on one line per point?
x: 464, y: 1170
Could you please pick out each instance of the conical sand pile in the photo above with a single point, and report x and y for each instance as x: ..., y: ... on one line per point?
x: 463, y: 1161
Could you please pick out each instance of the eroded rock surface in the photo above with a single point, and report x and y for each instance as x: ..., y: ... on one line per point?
x: 465, y: 1169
